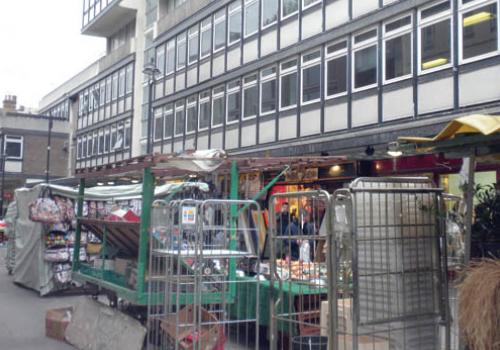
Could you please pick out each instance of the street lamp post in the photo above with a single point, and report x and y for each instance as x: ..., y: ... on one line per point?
x: 151, y: 71
x: 49, y: 140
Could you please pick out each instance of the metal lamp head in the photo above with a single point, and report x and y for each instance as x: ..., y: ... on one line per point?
x: 151, y: 70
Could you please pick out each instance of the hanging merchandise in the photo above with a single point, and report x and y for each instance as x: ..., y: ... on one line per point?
x: 45, y: 209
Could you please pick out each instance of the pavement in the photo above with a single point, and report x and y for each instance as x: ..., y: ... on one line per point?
x: 22, y: 315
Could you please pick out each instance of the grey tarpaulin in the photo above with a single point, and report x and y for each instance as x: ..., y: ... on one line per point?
x: 30, y: 269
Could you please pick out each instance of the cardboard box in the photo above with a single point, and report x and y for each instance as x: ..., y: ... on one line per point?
x: 56, y: 321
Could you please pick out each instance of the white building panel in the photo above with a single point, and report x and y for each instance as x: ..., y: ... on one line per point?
x: 398, y: 104
x: 336, y: 117
x: 180, y: 82
x: 365, y: 111
x: 233, y: 58
x: 192, y: 76
x: 337, y: 13
x: 480, y: 86
x: 218, y: 65
x: 267, y: 131
x: 268, y: 43
x: 231, y: 139
x: 362, y: 7
x: 205, y: 71
x: 216, y: 140
x: 288, y: 127
x: 435, y: 95
x: 202, y: 142
x: 250, y: 51
x: 248, y: 135
x: 312, y: 24
x: 310, y: 122
x: 289, y: 33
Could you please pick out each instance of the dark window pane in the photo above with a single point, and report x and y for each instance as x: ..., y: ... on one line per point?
x: 311, y: 83
x: 204, y: 115
x: 365, y: 67
x: 269, y: 12
x: 337, y: 76
x: 193, y: 48
x: 251, y: 101
x: 191, y: 119
x: 290, y: 6
x: 13, y: 149
x: 480, y: 34
x: 431, y: 11
x: 289, y: 90
x: 235, y: 26
x: 206, y: 42
x: 233, y: 106
x: 398, y: 57
x: 436, y: 45
x: 169, y: 125
x: 218, y: 111
x: 158, y: 128
x: 268, y: 96
x: 179, y: 122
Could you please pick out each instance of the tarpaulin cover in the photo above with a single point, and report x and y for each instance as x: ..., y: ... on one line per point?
x: 30, y: 268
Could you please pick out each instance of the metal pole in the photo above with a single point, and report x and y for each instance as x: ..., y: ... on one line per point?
x: 78, y: 231
x: 147, y: 200
x: 469, y: 205
x: 47, y: 167
x: 233, y: 195
x: 149, y: 148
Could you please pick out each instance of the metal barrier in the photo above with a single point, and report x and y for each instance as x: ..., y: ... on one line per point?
x: 203, y: 257
x: 300, y: 247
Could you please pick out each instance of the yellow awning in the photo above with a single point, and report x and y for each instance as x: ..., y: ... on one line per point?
x: 472, y: 124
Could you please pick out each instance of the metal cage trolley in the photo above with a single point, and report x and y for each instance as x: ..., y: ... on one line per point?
x: 391, y: 251
x: 204, y: 261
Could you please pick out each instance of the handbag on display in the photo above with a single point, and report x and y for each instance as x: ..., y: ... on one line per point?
x: 44, y: 209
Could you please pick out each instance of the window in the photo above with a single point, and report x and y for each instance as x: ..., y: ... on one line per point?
x: 193, y: 43
x: 250, y: 97
x: 78, y: 148
x: 160, y: 58
x: 398, y: 49
x: 206, y: 38
x: 233, y: 101
x: 114, y: 93
x: 84, y: 147
x: 251, y: 17
x: 101, y: 141
x: 365, y: 60
x: 309, y: 3
x: 113, y: 138
x: 108, y: 89
x: 289, y: 8
x: 191, y: 116
x: 234, y: 34
x: 168, y: 113
x: 181, y: 51
x: 102, y: 93
x: 121, y: 83
x: 13, y: 147
x: 96, y: 143
x: 128, y: 134
x: 170, y: 57
x: 336, y: 69
x: 119, y: 138
x: 435, y: 37
x: 288, y: 84
x: 311, y: 76
x: 129, y: 79
x: 269, y: 12
x: 107, y: 139
x: 158, y: 126
x: 268, y: 90
x: 218, y: 106
x: 180, y: 118
x: 204, y: 110
x: 479, y: 31
x: 219, y: 30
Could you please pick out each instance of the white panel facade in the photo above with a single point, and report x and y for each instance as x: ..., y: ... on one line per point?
x: 205, y: 71
x: 269, y: 43
x: 337, y: 13
x: 365, y: 111
x: 233, y: 58
x: 288, y: 127
x: 435, y: 95
x: 218, y: 65
x: 398, y: 104
x: 362, y: 7
x: 189, y: 144
x: 267, y: 131
x: 248, y: 135
x: 312, y: 24
x: 289, y: 33
x: 192, y: 76
x: 202, y: 142
x: 231, y: 139
x: 336, y: 117
x: 310, y: 122
x: 250, y: 51
x: 216, y: 140
x: 480, y: 86
x: 169, y: 86
x: 180, y: 82
x: 178, y: 146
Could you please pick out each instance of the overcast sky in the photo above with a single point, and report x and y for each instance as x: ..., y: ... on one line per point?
x: 41, y: 47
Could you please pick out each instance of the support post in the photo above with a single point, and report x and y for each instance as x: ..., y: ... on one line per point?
x: 78, y: 232
x: 469, y: 167
x: 147, y: 200
x: 49, y: 141
x: 233, y: 195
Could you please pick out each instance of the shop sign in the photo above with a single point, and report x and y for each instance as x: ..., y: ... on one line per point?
x: 302, y: 175
x: 188, y: 215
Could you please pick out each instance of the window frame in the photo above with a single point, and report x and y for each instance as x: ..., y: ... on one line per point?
x: 295, y: 13
x: 305, y: 65
x: 158, y: 114
x: 268, y: 25
x: 217, y: 21
x: 204, y: 28
x: 283, y: 72
x: 170, y: 46
x: 399, y: 32
x: 462, y: 10
x: 333, y: 56
x: 191, y: 102
x: 216, y: 94
x: 248, y: 3
x: 359, y: 47
x: 237, y: 89
x: 201, y: 100
x: 168, y: 110
x: 432, y: 20
x: 181, y: 38
x: 263, y: 80
x: 314, y: 3
x: 193, y: 34
x: 179, y: 106
x: 248, y: 85
x: 14, y: 139
x: 233, y: 8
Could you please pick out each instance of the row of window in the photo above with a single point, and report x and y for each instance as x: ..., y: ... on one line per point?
x: 92, y: 8
x: 59, y: 111
x: 299, y: 80
x: 213, y: 34
x: 106, y: 140
x: 106, y: 98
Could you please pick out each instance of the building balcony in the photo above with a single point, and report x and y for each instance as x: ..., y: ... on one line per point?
x: 104, y: 17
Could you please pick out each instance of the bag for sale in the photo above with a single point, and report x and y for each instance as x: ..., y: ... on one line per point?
x: 44, y: 209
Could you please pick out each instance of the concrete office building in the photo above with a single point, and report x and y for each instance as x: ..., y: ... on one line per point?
x: 294, y: 77
x: 104, y: 110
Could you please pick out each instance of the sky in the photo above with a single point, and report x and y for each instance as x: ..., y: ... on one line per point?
x: 41, y: 47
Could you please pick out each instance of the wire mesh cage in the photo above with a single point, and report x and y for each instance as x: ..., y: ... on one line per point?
x: 392, y: 265
x: 205, y: 268
x: 300, y: 229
